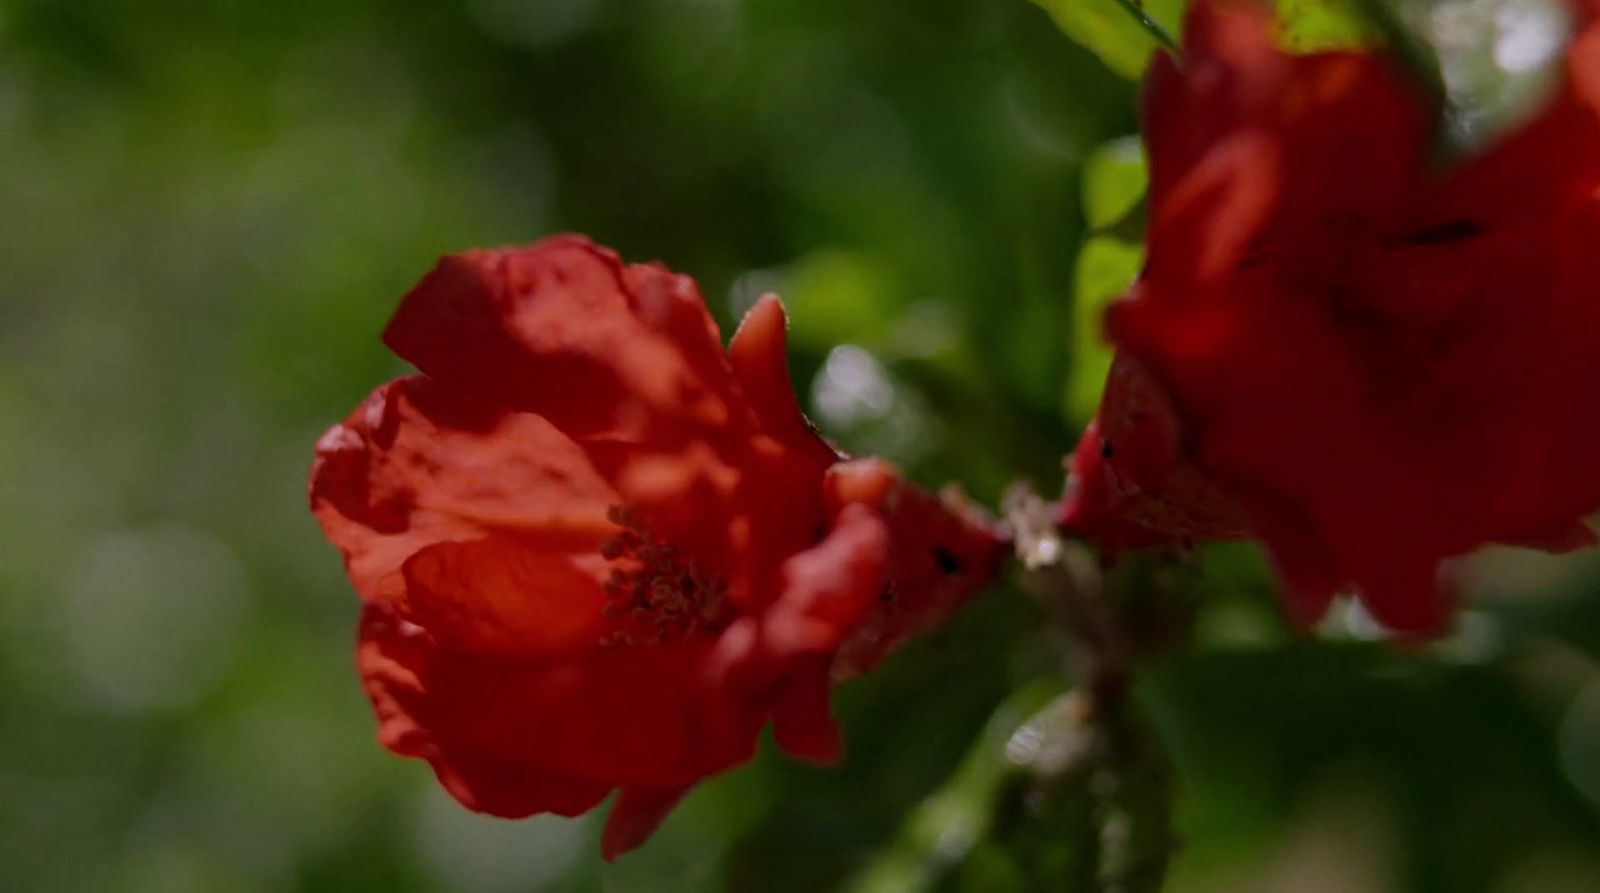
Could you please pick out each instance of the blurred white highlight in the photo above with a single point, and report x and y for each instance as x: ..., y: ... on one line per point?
x: 852, y: 387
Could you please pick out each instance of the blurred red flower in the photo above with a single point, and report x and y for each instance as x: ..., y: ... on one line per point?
x: 598, y: 551
x: 1132, y: 486
x: 1382, y: 362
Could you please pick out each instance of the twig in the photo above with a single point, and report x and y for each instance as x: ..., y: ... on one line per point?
x: 1127, y: 775
x: 1136, y: 9
x: 1067, y: 579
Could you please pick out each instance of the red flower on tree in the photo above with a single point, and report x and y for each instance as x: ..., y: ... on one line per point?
x: 1382, y: 363
x: 597, y: 551
x: 1132, y: 485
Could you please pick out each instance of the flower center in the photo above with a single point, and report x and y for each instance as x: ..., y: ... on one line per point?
x: 655, y: 593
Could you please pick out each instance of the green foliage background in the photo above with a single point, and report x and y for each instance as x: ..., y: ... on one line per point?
x: 209, y: 208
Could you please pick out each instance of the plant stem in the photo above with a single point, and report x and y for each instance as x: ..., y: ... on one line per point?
x: 1155, y: 29
x: 1129, y: 782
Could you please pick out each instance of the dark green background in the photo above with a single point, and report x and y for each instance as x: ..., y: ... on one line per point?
x: 208, y: 209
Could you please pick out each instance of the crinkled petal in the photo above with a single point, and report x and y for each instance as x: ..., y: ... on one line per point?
x: 418, y: 464
x: 607, y: 717
x: 827, y: 589
x: 825, y: 593
x: 942, y: 551
x: 564, y: 329
x: 393, y: 657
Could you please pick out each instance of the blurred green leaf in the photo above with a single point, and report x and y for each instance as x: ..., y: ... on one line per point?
x: 1087, y: 805
x: 1313, y: 25
x: 1045, y: 800
x: 1114, y: 181
x: 839, y: 297
x: 951, y: 821
x: 1106, y: 267
x: 1122, y: 33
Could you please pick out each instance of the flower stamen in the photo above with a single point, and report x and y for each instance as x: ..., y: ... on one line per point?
x: 655, y: 593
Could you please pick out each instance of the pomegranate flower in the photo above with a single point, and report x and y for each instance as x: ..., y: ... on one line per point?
x: 1381, y: 363
x: 1131, y: 484
x: 599, y: 552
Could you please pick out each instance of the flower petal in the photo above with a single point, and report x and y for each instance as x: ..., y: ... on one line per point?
x: 825, y: 592
x: 757, y: 352
x: 941, y: 552
x: 418, y: 464
x: 802, y: 720
x: 609, y: 717
x: 392, y: 655
x: 564, y: 329
x: 505, y: 595
x: 828, y: 588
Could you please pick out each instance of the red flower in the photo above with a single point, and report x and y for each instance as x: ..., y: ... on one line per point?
x: 1131, y: 484
x: 1383, y: 364
x: 599, y: 552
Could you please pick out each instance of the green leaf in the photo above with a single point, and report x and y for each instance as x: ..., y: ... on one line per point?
x: 839, y: 297
x: 951, y: 821
x: 1307, y: 26
x: 1114, y: 181
x: 1106, y: 267
x: 1122, y: 33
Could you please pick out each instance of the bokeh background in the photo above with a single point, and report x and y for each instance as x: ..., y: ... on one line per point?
x: 207, y: 211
